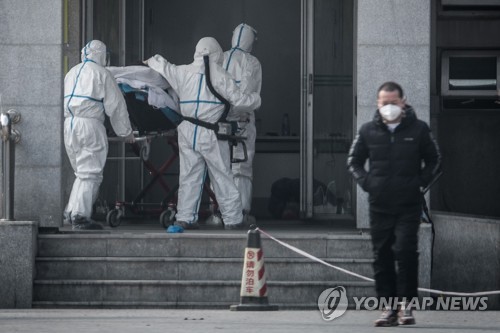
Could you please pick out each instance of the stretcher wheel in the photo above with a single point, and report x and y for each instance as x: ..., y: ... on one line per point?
x: 114, y: 218
x: 167, y: 217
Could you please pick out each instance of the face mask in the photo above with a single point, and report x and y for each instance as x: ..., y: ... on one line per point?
x: 390, y: 112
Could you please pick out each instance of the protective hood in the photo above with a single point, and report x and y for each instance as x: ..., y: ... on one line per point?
x: 95, y: 50
x: 243, y: 37
x: 208, y: 46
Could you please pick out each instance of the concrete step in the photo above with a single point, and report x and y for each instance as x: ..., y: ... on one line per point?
x: 190, y: 270
x: 174, y: 268
x: 181, y: 294
x: 198, y: 245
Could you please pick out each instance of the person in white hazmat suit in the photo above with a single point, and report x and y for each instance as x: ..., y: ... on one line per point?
x: 247, y: 71
x: 90, y: 91
x: 200, y: 151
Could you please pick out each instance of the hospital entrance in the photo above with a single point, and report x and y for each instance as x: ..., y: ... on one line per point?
x: 305, y: 124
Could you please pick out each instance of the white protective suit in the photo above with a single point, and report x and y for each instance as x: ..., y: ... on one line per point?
x: 247, y: 71
x: 199, y: 149
x: 89, y: 92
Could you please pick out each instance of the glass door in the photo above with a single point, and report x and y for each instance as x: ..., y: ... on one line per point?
x: 120, y: 25
x: 326, y: 108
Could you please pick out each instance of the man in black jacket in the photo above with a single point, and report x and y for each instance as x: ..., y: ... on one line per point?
x: 395, y: 142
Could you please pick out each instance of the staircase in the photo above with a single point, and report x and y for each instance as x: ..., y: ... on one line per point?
x: 190, y: 270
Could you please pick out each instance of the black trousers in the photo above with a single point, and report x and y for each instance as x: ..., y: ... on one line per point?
x: 395, y: 243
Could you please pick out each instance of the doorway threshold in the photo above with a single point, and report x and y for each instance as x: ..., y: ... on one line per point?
x: 276, y: 227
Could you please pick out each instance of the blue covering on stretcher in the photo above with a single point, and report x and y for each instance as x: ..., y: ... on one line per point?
x: 144, y: 117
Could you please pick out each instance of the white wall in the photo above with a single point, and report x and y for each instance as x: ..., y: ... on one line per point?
x: 393, y: 44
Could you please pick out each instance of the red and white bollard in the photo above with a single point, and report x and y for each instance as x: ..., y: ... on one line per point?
x: 253, y: 294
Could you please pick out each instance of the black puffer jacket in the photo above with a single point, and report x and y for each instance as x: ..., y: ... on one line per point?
x: 395, y: 173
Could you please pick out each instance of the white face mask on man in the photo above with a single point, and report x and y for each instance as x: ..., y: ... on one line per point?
x: 390, y: 112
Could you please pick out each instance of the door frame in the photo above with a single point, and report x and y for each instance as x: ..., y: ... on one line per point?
x: 306, y: 108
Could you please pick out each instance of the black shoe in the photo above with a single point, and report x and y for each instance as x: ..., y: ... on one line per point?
x: 82, y: 223
x: 187, y: 226
x: 87, y: 226
x: 387, y: 319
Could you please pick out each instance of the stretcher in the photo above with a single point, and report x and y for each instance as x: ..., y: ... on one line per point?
x: 151, y: 123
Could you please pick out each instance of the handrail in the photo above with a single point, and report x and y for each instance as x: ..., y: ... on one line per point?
x: 9, y: 137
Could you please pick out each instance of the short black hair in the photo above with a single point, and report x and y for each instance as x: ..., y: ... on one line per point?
x: 391, y: 86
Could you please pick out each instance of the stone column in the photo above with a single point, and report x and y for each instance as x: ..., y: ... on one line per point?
x: 17, y: 263
x: 393, y: 44
x: 31, y: 82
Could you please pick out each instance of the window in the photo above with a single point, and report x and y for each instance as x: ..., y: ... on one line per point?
x: 470, y: 73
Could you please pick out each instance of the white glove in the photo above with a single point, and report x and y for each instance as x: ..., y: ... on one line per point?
x: 129, y: 138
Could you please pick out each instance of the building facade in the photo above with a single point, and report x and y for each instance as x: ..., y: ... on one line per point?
x: 322, y: 62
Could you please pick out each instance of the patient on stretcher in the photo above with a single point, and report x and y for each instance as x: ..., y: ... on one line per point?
x: 152, y: 105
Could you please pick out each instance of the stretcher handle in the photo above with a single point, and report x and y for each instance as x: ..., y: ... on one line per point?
x: 144, y: 137
x: 137, y: 138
